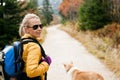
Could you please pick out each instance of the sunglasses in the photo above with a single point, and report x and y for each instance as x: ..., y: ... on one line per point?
x: 36, y: 26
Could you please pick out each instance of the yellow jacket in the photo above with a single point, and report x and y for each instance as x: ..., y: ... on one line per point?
x: 32, y: 56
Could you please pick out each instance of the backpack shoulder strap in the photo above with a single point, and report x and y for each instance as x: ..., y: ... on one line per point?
x: 16, y: 53
x: 26, y: 40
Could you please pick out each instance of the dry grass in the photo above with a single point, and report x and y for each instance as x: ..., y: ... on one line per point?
x: 103, y: 43
x: 43, y: 34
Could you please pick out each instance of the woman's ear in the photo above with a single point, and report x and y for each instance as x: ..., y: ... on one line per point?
x: 26, y: 30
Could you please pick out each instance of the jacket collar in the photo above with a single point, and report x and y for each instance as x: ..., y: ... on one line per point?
x: 28, y: 35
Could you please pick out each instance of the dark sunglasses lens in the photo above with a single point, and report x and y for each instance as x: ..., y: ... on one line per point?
x: 40, y: 26
x: 35, y: 27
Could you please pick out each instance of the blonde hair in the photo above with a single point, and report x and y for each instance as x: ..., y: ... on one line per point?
x: 25, y: 22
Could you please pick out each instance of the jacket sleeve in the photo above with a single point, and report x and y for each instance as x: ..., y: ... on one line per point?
x: 33, y: 68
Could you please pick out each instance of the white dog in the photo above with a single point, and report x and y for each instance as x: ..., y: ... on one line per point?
x: 75, y: 74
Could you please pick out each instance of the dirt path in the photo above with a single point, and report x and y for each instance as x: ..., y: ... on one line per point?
x: 63, y: 49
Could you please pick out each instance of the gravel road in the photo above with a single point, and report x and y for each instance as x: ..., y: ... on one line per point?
x: 64, y: 49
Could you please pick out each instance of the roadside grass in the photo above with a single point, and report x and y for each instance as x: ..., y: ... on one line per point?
x: 103, y: 43
x: 43, y: 34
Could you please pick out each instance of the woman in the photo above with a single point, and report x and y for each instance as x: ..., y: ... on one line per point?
x: 31, y: 26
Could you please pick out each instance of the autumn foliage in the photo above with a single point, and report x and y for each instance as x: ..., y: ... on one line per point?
x: 69, y: 6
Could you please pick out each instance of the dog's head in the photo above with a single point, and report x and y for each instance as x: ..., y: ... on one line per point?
x: 68, y: 66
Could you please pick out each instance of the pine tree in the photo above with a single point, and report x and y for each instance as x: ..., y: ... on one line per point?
x: 47, y: 12
x: 32, y: 5
x: 9, y: 22
x: 92, y: 15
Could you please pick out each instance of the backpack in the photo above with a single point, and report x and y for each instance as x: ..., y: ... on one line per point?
x: 11, y: 58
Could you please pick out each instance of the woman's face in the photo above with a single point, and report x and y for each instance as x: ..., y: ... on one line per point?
x: 34, y: 28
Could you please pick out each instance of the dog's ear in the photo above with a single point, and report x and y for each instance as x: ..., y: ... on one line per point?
x: 64, y: 65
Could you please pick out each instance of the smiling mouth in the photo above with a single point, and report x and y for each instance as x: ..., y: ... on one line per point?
x: 38, y: 31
